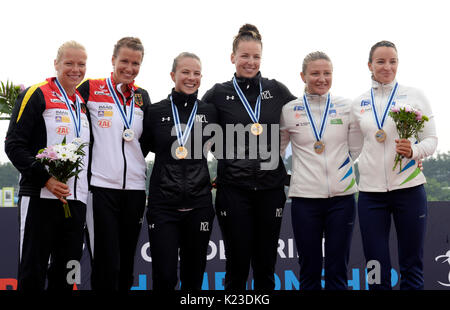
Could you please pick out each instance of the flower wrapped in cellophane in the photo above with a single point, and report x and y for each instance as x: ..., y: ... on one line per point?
x: 64, y: 161
x: 409, y: 123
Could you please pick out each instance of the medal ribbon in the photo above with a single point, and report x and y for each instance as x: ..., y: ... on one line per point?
x: 76, y: 118
x: 386, y: 109
x: 254, y: 115
x: 127, y: 122
x: 324, y: 119
x: 183, y: 136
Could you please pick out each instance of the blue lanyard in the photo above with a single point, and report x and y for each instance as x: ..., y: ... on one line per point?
x: 386, y: 109
x: 254, y: 115
x: 324, y: 119
x: 183, y: 137
x: 126, y: 122
x: 76, y: 118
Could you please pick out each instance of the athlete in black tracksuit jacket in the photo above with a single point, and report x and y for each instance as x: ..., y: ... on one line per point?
x: 180, y: 212
x: 249, y: 199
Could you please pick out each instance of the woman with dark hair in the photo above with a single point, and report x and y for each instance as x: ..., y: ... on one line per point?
x: 180, y: 211
x: 118, y: 168
x: 384, y: 192
x: 250, y: 184
x: 323, y: 179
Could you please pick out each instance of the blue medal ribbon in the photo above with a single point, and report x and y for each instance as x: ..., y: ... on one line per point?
x: 183, y: 136
x: 386, y: 109
x: 254, y: 115
x: 76, y: 118
x: 127, y: 122
x: 324, y: 119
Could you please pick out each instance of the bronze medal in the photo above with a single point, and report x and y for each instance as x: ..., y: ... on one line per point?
x: 181, y: 152
x: 319, y: 147
x: 380, y: 135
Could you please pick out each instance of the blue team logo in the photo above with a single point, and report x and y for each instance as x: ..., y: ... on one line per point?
x: 332, y: 113
x: 365, y: 102
x: 299, y: 108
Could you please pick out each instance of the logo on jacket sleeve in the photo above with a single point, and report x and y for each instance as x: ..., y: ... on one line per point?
x: 138, y: 100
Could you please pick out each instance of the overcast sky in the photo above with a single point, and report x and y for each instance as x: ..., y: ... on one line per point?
x: 32, y: 31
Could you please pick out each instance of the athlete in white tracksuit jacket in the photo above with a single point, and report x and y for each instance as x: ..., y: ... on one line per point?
x: 323, y: 179
x: 385, y: 191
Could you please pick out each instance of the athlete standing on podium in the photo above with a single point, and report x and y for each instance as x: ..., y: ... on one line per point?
x: 118, y: 168
x: 250, y: 190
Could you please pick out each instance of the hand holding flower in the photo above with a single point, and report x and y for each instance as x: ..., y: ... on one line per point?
x: 403, y: 147
x: 59, y: 189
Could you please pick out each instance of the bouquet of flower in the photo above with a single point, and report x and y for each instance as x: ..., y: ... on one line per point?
x: 63, y: 161
x: 8, y: 95
x: 409, y: 123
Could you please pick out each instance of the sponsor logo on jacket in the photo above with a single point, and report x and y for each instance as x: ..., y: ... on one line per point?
x: 102, y: 91
x: 104, y: 123
x: 62, y: 130
x: 365, y: 102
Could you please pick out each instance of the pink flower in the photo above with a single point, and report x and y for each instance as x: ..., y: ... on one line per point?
x: 22, y: 87
x: 408, y: 108
x: 395, y: 110
x: 418, y: 115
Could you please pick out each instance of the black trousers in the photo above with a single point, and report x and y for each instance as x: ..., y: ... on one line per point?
x: 45, y: 234
x: 117, y: 218
x: 183, y: 234
x: 250, y: 222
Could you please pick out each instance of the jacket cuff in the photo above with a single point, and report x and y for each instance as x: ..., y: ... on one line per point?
x: 40, y: 174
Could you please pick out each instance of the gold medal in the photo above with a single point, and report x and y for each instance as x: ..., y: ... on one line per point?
x: 319, y: 147
x: 256, y: 129
x: 181, y: 152
x: 380, y: 135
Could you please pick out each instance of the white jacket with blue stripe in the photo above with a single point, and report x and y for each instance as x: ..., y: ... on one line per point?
x: 330, y: 173
x: 376, y: 160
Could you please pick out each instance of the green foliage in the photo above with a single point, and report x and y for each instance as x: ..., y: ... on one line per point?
x: 8, y: 96
x: 9, y: 176
x: 437, y: 171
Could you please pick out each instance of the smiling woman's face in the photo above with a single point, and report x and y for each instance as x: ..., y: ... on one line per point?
x: 384, y: 64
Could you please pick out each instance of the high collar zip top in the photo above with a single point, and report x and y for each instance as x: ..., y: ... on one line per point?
x: 376, y: 160
x: 178, y: 183
x: 238, y: 167
x: 330, y: 173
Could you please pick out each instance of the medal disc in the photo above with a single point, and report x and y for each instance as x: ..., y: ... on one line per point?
x: 128, y: 135
x: 319, y: 147
x: 256, y: 129
x: 380, y: 135
x: 77, y: 141
x: 181, y: 152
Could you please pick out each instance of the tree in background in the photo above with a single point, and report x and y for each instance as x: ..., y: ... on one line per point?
x: 8, y: 96
x: 9, y: 176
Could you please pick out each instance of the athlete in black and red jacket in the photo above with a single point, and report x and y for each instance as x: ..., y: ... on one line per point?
x: 41, y: 118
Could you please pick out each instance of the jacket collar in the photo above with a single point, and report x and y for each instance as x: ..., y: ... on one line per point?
x: 254, y: 81
x: 180, y: 98
x: 315, y: 97
x: 378, y: 85
x: 130, y: 86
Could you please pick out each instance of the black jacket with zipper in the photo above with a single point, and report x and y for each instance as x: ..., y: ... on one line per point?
x: 247, y: 172
x: 178, y: 183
